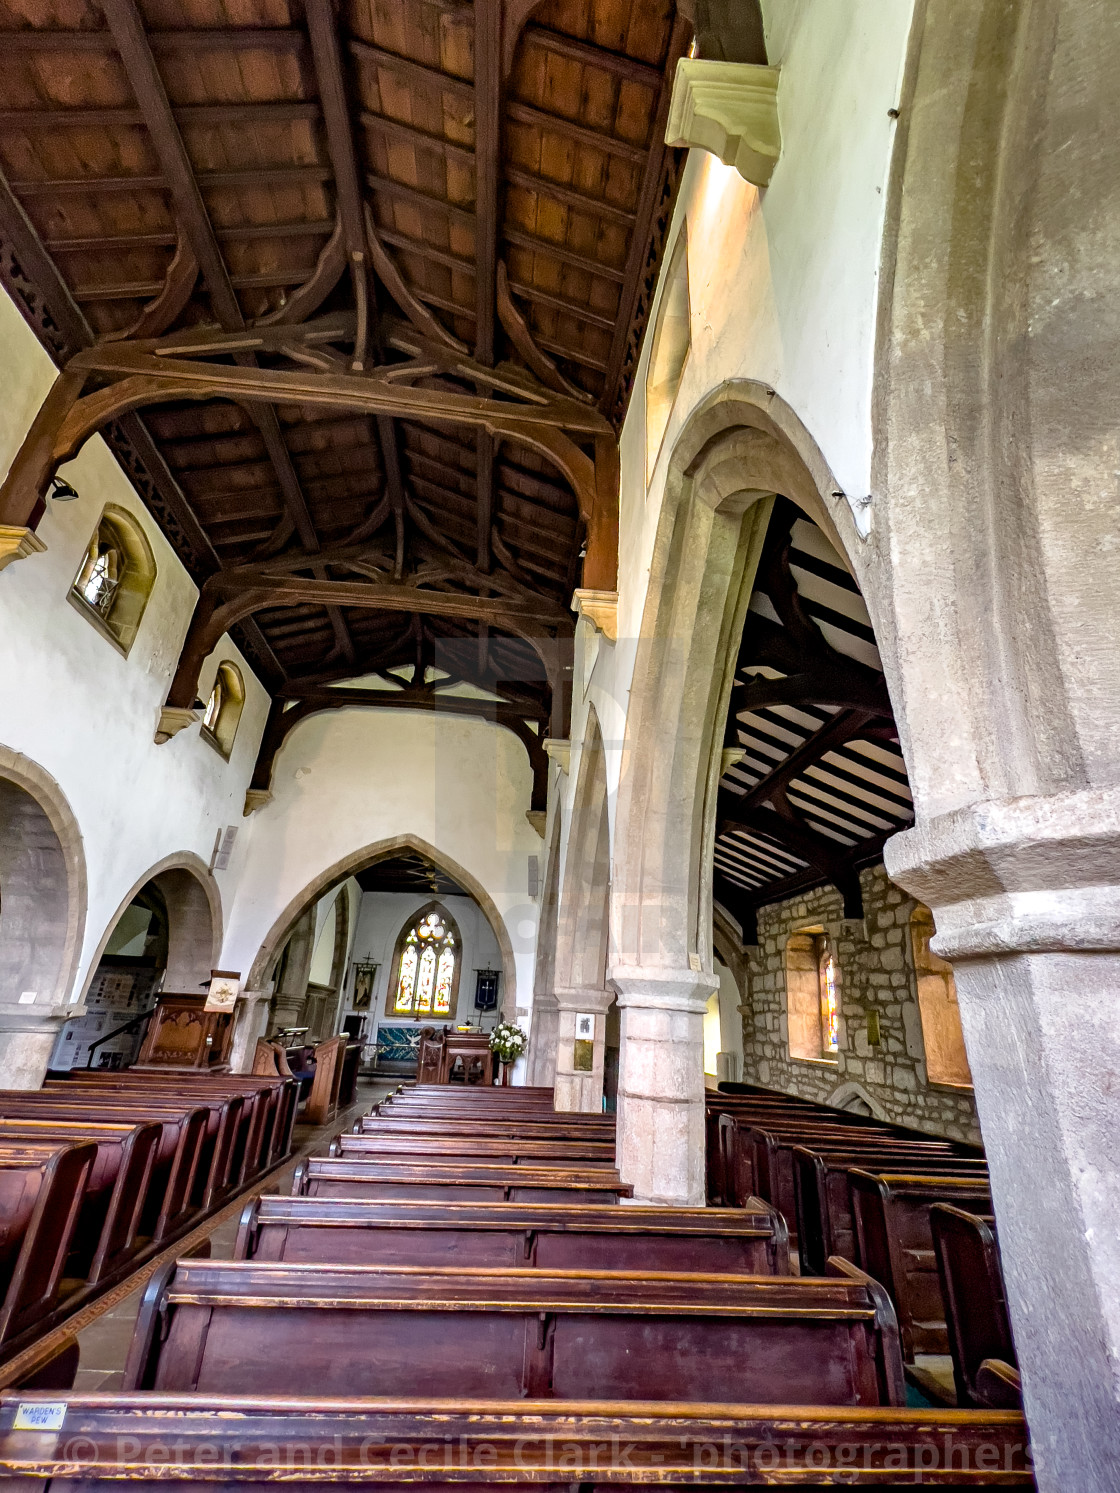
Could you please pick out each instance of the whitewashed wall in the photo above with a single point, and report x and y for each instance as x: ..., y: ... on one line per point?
x: 351, y: 780
x: 71, y: 703
x: 783, y: 286
x: 382, y: 919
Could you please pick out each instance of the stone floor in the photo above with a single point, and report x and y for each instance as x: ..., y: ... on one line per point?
x: 104, y: 1343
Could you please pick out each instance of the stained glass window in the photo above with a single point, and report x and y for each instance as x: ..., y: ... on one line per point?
x: 426, y: 981
x: 830, y: 1005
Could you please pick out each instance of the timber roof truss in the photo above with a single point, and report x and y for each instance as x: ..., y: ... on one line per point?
x: 357, y: 296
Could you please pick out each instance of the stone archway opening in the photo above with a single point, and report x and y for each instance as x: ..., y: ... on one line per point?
x: 333, y: 959
x: 164, y: 939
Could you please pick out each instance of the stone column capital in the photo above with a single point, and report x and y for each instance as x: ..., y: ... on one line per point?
x: 35, y: 1018
x: 660, y: 989
x: 1027, y: 875
x: 583, y: 998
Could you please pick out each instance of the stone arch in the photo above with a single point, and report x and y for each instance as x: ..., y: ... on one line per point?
x: 742, y: 445
x: 43, y: 894
x: 195, y: 925
x: 850, y: 1096
x: 358, y: 860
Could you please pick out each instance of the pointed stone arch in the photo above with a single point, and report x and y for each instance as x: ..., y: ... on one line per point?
x: 741, y: 446
x: 358, y: 860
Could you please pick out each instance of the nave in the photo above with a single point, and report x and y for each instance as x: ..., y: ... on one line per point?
x: 457, y: 1290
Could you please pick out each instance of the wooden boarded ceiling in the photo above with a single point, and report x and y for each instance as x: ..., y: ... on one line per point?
x: 488, y: 176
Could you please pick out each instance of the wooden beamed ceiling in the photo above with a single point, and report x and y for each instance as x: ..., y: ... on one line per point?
x: 450, y: 216
x: 821, y: 784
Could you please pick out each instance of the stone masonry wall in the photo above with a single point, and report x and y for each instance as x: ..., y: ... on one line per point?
x: 876, y: 967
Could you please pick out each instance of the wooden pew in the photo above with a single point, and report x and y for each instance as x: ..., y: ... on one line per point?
x: 171, y: 1204
x: 548, y: 1236
x: 979, y: 1330
x: 756, y: 1159
x: 42, y: 1189
x: 772, y: 1150
x: 824, y: 1202
x: 185, y: 1442
x: 264, y: 1132
x: 107, y: 1236
x: 894, y: 1243
x: 338, y: 1176
x: 258, y: 1329
x: 217, y: 1176
x: 390, y: 1121
x: 499, y: 1150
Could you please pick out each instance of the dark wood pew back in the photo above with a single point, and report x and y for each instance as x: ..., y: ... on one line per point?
x: 824, y: 1203
x: 497, y: 1149
x: 338, y: 1176
x: 548, y: 1236
x: 222, y: 1326
x: 173, y: 1203
x: 106, y: 1237
x: 350, y: 1444
x: 978, y: 1326
x: 894, y: 1243
x: 42, y: 1188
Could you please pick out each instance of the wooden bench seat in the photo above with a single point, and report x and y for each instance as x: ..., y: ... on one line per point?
x: 265, y: 1137
x: 42, y: 1189
x: 539, y: 1127
x: 249, y: 1328
x: 340, y: 1176
x: 894, y: 1243
x: 501, y: 1150
x: 549, y: 1236
x: 977, y: 1323
x: 107, y: 1237
x: 174, y: 1203
x: 226, y: 1145
x: 824, y: 1202
x: 176, y: 1442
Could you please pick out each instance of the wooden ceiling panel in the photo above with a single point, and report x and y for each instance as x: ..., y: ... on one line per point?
x: 219, y: 176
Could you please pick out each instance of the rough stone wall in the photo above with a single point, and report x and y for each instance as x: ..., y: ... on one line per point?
x: 876, y: 965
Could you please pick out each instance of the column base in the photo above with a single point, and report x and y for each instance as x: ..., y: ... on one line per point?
x: 660, y: 1149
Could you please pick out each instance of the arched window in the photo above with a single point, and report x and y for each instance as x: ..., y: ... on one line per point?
x: 116, y: 577
x: 426, y: 981
x: 669, y: 349
x: 946, y: 1059
x: 224, y: 707
x: 812, y: 997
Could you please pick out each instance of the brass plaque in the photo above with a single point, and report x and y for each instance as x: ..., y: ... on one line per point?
x: 584, y: 1060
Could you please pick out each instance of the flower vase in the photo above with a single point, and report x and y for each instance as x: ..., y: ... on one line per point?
x: 505, y: 1075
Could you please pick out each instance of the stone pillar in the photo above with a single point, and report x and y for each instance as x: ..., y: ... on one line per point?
x: 250, y: 1022
x: 27, y: 1037
x: 661, y: 1083
x: 541, y: 1063
x: 579, y: 1066
x: 290, y: 1000
x: 1026, y: 896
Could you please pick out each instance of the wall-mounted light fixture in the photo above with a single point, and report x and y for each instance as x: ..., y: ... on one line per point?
x: 61, y: 491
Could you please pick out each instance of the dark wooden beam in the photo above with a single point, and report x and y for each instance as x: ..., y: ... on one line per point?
x: 488, y: 156
x: 110, y: 243
x: 258, y: 176
x: 580, y: 202
x: 535, y: 245
x: 652, y: 172
x: 236, y: 38
x: 415, y: 72
x: 484, y: 496
x: 185, y: 114
x: 579, y: 134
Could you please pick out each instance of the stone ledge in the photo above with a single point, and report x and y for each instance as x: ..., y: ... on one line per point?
x: 601, y: 610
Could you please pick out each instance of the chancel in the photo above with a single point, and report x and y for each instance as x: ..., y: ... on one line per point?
x: 559, y: 661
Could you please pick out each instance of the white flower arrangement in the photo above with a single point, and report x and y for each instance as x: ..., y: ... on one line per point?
x: 507, y: 1041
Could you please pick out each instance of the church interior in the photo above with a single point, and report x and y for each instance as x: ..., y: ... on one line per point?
x: 559, y: 798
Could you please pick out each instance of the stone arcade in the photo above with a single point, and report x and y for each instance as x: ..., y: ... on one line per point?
x: 600, y: 516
